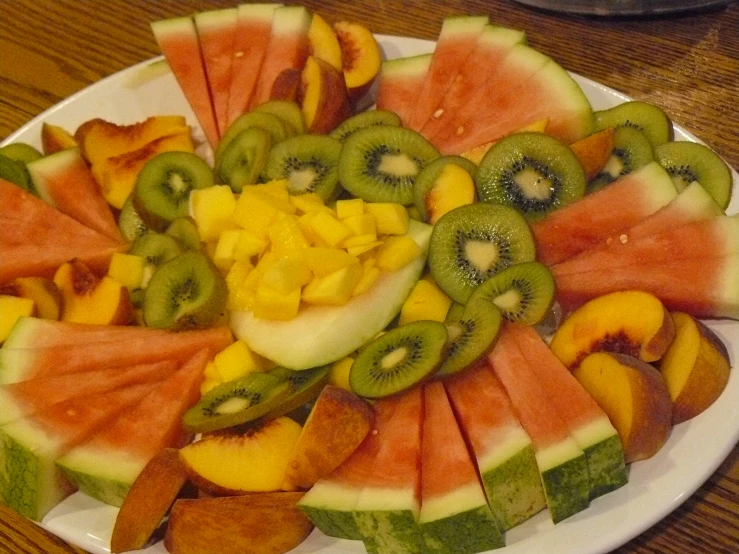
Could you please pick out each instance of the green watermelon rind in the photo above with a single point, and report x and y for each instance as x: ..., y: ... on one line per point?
x: 606, y: 468
x: 107, y: 490
x: 330, y: 507
x: 390, y: 531
x: 564, y: 474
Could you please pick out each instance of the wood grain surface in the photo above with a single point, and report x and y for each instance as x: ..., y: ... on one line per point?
x: 688, y: 64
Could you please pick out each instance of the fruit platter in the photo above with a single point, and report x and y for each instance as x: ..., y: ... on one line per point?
x: 325, y: 280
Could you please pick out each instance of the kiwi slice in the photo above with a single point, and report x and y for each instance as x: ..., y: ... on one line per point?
x: 428, y: 176
x: 244, y: 158
x: 631, y: 150
x: 162, y: 191
x: 236, y: 402
x: 381, y: 163
x: 523, y: 292
x: 472, y: 243
x: 645, y: 117
x: 305, y: 386
x: 309, y: 163
x: 21, y: 152
x: 363, y: 120
x: 454, y: 313
x: 471, y: 333
x: 130, y: 222
x: 689, y: 161
x: 289, y: 112
x: 533, y: 172
x: 15, y: 172
x: 266, y: 121
x: 157, y: 248
x: 187, y: 292
x: 398, y: 359
x: 185, y: 231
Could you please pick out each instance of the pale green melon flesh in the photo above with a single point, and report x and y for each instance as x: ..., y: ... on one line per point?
x: 330, y: 507
x: 564, y: 474
x: 605, y: 458
x: 386, y: 519
x: 320, y: 335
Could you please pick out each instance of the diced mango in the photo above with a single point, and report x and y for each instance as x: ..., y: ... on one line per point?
x: 256, y: 210
x: 307, y: 203
x: 223, y: 254
x: 249, y: 245
x: 236, y: 360
x: 287, y: 275
x: 390, y: 218
x: 359, y: 249
x: 339, y: 373
x: 267, y: 261
x: 348, y: 208
x: 330, y: 229
x: 323, y: 261
x: 11, y: 309
x: 335, y: 288
x: 212, y: 209
x: 240, y: 295
x: 425, y: 302
x: 276, y: 188
x: 396, y: 252
x: 127, y: 269
x: 270, y: 303
x: 362, y: 224
x: 286, y: 236
x: 370, y: 275
x: 207, y: 385
x: 211, y: 371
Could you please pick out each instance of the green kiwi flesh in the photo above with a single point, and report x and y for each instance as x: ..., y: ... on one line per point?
x: 533, y: 172
x: 645, y: 117
x: 244, y: 158
x: 162, y: 191
x: 470, y: 335
x: 309, y: 163
x: 185, y: 231
x: 130, y: 222
x: 305, y: 386
x: 289, y: 112
x: 472, y: 243
x: 631, y: 150
x: 399, y: 359
x: 362, y: 120
x: 21, y: 152
x: 428, y: 176
x: 236, y: 402
x: 157, y: 248
x: 187, y: 292
x: 523, y: 292
x: 690, y: 161
x: 381, y: 163
x: 266, y: 121
x: 15, y: 172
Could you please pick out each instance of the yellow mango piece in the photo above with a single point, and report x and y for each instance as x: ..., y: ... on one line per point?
x: 127, y: 269
x: 207, y: 385
x: 240, y: 296
x: 249, y: 245
x: 256, y: 210
x: 307, y: 203
x: 361, y: 240
x: 13, y: 308
x: 370, y: 275
x: 348, y: 208
x: 390, y: 218
x: 358, y: 250
x: 286, y: 236
x: 276, y: 188
x: 211, y: 371
x: 212, y: 209
x: 287, y: 275
x: 335, y: 288
x: 236, y: 360
x: 329, y: 229
x: 396, y: 252
x: 362, y: 224
x: 339, y: 373
x: 223, y: 253
x: 425, y: 302
x: 270, y: 303
x: 323, y: 261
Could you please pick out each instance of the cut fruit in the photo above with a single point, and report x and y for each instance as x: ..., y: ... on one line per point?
x: 642, y: 116
x: 444, y: 184
x: 361, y: 61
x: 631, y: 151
x: 399, y: 83
x: 594, y: 151
x: 454, y: 515
x: 323, y: 95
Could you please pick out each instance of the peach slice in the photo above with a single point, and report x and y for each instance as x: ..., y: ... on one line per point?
x: 453, y: 188
x: 147, y: 501
x: 323, y: 95
x: 628, y: 322
x: 12, y: 308
x: 695, y: 367
x: 55, y: 139
x: 323, y: 42
x: 335, y: 427
x: 287, y: 85
x: 594, y: 151
x: 361, y: 58
x: 44, y: 293
x: 635, y: 398
x: 227, y: 463
x: 260, y: 523
x: 89, y: 299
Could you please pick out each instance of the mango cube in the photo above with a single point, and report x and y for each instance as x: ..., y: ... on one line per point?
x: 425, y: 302
x: 351, y: 207
x: 212, y: 209
x: 127, y: 269
x: 369, y: 277
x: 13, y: 308
x: 396, y: 252
x: 276, y: 188
x: 256, y: 210
x: 287, y: 275
x: 362, y: 224
x: 323, y: 261
x: 391, y: 218
x: 236, y: 360
x: 307, y: 203
x: 360, y: 247
x: 335, y: 288
x: 270, y: 303
x: 286, y: 236
x: 240, y: 295
x: 329, y: 229
x: 207, y: 385
x: 339, y: 373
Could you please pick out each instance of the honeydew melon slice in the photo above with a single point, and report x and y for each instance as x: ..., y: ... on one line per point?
x: 320, y: 335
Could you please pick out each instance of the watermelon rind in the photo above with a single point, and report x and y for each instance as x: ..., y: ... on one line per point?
x: 387, y: 520
x: 329, y: 506
x: 601, y: 445
x: 564, y: 474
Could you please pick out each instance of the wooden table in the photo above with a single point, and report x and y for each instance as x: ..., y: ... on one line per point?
x: 687, y: 64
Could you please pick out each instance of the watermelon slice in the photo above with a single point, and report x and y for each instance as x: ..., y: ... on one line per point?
x: 28, y: 397
x: 503, y: 451
x: 30, y: 483
x: 217, y: 35
x: 605, y: 213
x: 455, y: 43
x: 455, y: 516
x: 399, y: 83
x: 178, y: 41
x: 330, y: 502
x: 287, y: 49
x: 64, y: 181
x: 388, y: 506
x: 22, y: 364
x: 254, y: 25
x: 106, y: 465
x: 562, y: 464
x: 491, y: 48
x: 587, y: 422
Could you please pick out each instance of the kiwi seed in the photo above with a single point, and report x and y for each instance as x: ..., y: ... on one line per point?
x: 631, y: 150
x: 645, y: 117
x: 130, y: 222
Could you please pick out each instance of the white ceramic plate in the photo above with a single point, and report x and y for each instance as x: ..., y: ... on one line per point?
x: 656, y: 486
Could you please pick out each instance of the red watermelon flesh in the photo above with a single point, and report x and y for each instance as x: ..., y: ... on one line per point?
x: 217, y: 34
x: 22, y: 364
x: 455, y: 43
x: 178, y: 41
x: 399, y: 83
x: 491, y: 48
x: 27, y: 397
x: 107, y: 463
x: 64, y: 181
x: 254, y: 25
x: 605, y: 213
x: 287, y: 49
